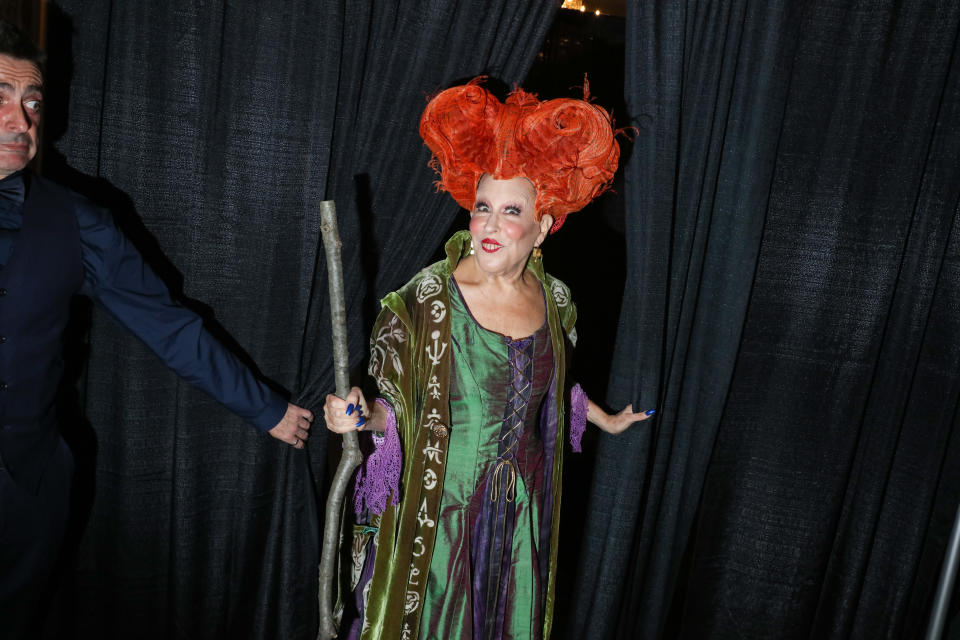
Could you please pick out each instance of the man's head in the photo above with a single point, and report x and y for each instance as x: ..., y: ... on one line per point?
x: 21, y: 98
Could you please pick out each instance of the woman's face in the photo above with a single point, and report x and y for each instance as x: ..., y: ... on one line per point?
x: 503, y: 225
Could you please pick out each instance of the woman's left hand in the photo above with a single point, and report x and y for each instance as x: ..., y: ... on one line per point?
x: 618, y: 422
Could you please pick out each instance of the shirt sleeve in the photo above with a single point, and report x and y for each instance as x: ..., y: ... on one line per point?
x: 117, y: 278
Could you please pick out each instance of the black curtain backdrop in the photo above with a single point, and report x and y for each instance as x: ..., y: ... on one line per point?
x: 791, y: 308
x: 213, y: 130
x: 790, y: 301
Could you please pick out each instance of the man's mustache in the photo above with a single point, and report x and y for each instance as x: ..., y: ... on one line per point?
x: 16, y: 138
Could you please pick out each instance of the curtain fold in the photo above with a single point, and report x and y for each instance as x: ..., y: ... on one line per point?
x: 790, y: 308
x: 705, y: 85
x: 858, y: 265
x: 213, y: 130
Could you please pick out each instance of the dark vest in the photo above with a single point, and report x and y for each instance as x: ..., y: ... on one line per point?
x: 44, y: 270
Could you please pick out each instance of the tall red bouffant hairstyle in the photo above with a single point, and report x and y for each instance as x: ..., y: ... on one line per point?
x: 566, y: 147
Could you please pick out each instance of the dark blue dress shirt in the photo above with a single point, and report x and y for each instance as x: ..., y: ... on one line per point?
x: 117, y: 278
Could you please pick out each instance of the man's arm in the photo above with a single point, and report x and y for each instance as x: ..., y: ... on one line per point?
x: 117, y: 278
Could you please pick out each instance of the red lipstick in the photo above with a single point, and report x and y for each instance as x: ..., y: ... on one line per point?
x: 490, y: 246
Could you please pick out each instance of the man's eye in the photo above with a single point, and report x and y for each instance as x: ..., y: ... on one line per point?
x: 34, y: 105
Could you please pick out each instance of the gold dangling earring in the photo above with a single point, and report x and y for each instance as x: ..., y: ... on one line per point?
x: 537, y: 254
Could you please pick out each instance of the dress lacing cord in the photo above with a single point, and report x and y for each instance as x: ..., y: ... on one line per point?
x: 517, y: 401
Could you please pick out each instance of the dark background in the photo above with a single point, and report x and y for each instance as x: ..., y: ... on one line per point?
x: 777, y: 273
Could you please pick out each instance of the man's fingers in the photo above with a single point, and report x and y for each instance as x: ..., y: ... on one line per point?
x: 300, y: 412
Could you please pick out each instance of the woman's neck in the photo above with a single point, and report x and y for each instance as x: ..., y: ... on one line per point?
x: 468, y: 272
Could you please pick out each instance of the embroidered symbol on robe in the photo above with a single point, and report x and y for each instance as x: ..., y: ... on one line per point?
x: 432, y: 452
x: 382, y: 347
x: 560, y: 293
x: 413, y: 601
x: 414, y: 572
x: 438, y: 311
x: 438, y: 349
x: 423, y: 517
x: 430, y: 479
x: 428, y: 287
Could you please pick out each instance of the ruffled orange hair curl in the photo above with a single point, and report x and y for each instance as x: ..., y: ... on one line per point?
x: 567, y: 148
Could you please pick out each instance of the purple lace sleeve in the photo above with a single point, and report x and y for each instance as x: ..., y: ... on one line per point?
x: 578, y: 416
x: 379, y: 474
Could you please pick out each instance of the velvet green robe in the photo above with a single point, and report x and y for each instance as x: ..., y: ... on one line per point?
x: 410, y: 361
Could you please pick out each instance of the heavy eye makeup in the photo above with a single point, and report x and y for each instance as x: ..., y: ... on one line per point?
x: 512, y: 209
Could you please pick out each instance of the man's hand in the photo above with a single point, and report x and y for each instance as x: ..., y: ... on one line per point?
x: 294, y: 427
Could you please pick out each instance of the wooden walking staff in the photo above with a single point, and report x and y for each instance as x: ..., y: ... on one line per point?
x: 351, y: 451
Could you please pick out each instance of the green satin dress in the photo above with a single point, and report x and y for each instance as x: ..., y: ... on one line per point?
x: 488, y: 574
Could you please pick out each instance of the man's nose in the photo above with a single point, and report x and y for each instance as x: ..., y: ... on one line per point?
x: 16, y: 119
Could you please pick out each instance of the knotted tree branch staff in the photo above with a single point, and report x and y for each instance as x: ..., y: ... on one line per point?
x: 351, y: 451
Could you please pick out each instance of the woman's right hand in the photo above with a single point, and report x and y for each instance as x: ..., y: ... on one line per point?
x: 346, y: 414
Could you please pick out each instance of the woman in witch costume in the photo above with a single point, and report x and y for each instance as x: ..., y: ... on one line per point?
x: 460, y: 501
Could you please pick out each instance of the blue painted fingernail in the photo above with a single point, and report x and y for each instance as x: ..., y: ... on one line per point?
x: 651, y: 412
x: 361, y: 422
x: 349, y: 409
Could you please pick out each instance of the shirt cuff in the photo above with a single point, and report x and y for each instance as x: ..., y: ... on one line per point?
x: 272, y: 414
